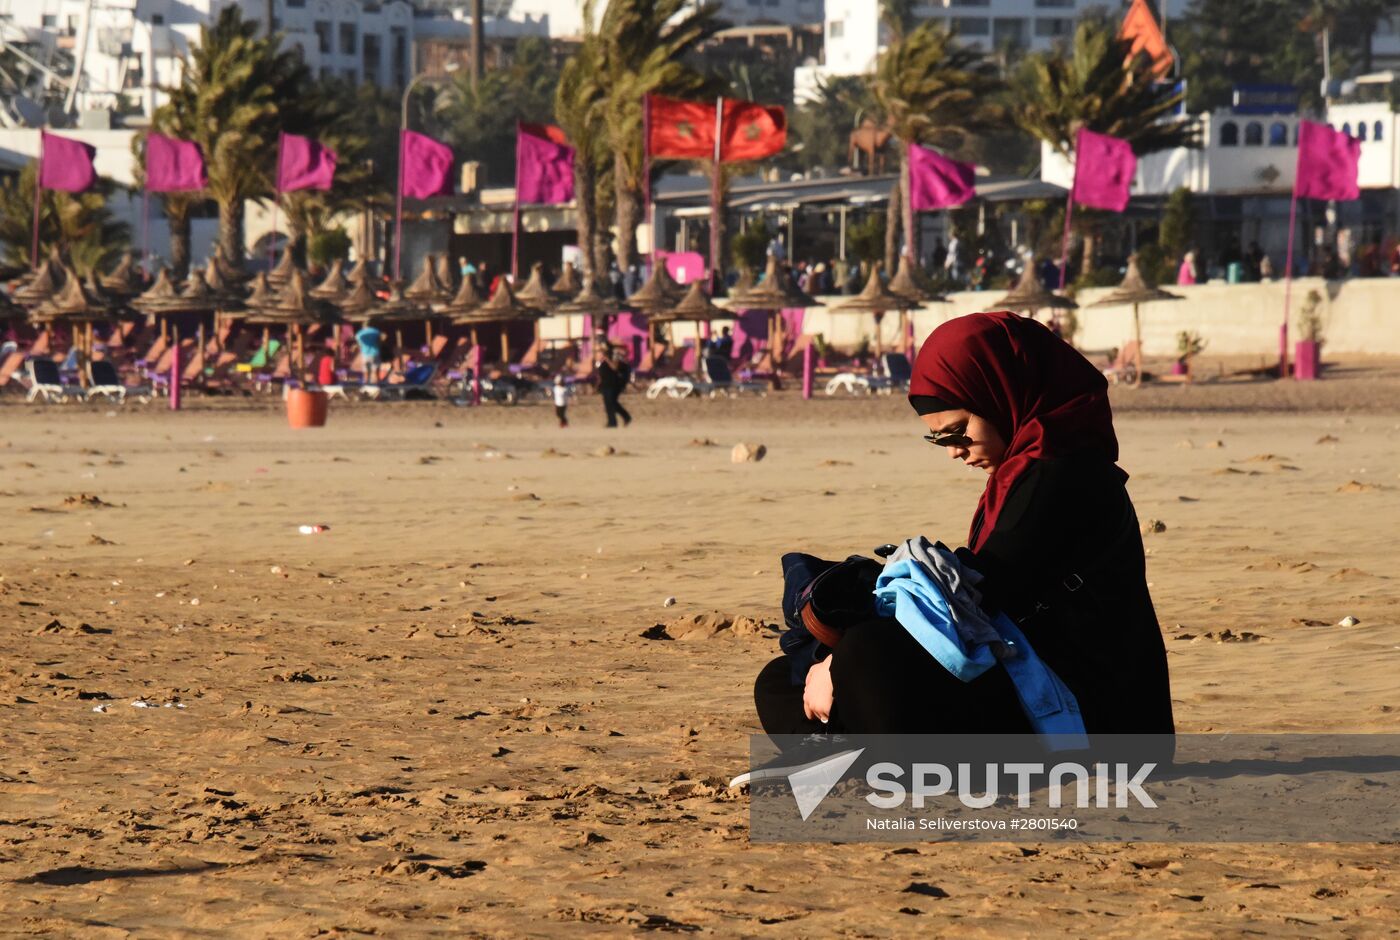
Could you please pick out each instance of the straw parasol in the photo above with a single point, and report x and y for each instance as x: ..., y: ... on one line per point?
x: 1134, y: 290
x: 447, y: 273
x: 589, y: 300
x: 428, y: 289
x: 905, y: 283
x: 877, y: 299
x: 535, y: 294
x: 196, y: 297
x: 292, y: 307
x: 160, y: 296
x: 124, y: 280
x: 567, y: 285
x: 775, y: 293
x: 334, y: 285
x: 42, y: 286
x: 467, y: 300
x: 695, y: 307
x: 1029, y: 295
x: 361, y: 273
x: 502, y: 308
x: 281, y: 274
x: 658, y: 293
x: 742, y: 287
x: 79, y: 304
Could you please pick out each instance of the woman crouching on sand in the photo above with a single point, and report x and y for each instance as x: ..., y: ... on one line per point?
x: 1054, y: 539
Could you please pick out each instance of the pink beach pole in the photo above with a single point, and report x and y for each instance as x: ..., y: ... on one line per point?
x: 807, y: 362
x: 175, y: 373
x: 476, y: 373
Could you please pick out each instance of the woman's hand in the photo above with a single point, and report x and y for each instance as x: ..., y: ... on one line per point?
x: 819, y: 692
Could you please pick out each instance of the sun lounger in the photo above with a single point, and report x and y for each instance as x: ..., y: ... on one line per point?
x: 103, y: 379
x: 11, y: 363
x: 417, y: 380
x: 46, y: 381
x: 894, y: 372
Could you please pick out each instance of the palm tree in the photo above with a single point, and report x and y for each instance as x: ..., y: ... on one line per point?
x: 578, y: 110
x: 235, y: 93
x: 643, y: 45
x: 1099, y: 88
x: 934, y: 91
x: 79, y: 224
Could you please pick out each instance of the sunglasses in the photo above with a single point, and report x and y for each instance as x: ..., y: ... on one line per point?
x: 954, y: 438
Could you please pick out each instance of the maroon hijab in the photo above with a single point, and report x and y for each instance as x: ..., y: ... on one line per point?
x: 1037, y: 390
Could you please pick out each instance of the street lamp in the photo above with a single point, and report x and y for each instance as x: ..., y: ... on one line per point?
x: 447, y: 68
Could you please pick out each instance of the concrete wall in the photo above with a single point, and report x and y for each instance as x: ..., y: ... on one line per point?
x: 1359, y: 316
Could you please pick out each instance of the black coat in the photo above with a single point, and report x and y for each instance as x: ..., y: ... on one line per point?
x: 1065, y: 560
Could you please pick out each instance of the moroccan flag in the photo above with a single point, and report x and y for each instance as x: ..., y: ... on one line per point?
x: 425, y: 166
x: 302, y: 163
x: 935, y: 182
x: 65, y: 164
x: 1328, y: 162
x: 1103, y: 171
x: 1141, y: 30
x: 681, y: 130
x: 544, y: 165
x: 752, y: 131
x: 173, y: 166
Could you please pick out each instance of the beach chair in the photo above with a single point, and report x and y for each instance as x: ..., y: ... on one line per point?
x: 719, y: 378
x: 46, y: 381
x: 893, y: 372
x: 416, y: 381
x: 672, y: 386
x: 103, y: 380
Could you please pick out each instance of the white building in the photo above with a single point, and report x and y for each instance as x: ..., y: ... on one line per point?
x: 563, y: 19
x: 855, y: 36
x: 132, y: 48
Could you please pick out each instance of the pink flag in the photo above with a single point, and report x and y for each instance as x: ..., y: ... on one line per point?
x: 173, y: 166
x: 302, y: 163
x: 65, y: 163
x: 1327, y: 163
x: 426, y: 166
x: 544, y: 165
x: 1103, y: 171
x: 935, y: 182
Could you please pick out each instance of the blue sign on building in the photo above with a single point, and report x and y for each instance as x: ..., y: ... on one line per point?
x: 1266, y: 99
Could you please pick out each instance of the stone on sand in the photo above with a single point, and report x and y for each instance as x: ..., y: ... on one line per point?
x: 745, y: 452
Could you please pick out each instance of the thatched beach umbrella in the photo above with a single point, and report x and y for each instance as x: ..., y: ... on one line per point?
x: 876, y: 299
x: 568, y: 284
x: 428, y: 289
x: 361, y: 274
x: 658, y: 293
x: 503, y: 309
x: 334, y: 285
x: 534, y: 293
x: 1030, y: 295
x: 447, y: 272
x: 9, y: 310
x: 1135, y: 289
x: 80, y: 305
x: 125, y: 279
x: 776, y: 293
x: 695, y: 307
x: 281, y: 274
x: 467, y: 300
x: 905, y: 283
x: 42, y: 286
x: 292, y: 307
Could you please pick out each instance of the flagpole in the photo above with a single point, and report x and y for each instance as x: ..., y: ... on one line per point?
x: 38, y: 175
x: 1288, y: 280
x: 716, y: 210
x: 276, y: 203
x: 515, y: 222
x: 1064, y: 243
x: 648, y: 208
x: 398, y: 210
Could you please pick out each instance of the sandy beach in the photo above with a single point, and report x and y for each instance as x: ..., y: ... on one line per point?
x: 444, y: 715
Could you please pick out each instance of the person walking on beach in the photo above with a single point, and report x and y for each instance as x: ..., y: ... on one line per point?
x: 561, y: 401
x: 1055, y: 541
x: 613, y: 375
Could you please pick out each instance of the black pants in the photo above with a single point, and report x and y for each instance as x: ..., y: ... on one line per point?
x: 614, y: 409
x: 886, y: 683
x: 562, y: 413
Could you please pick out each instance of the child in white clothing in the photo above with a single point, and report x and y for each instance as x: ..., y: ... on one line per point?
x: 562, y: 394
